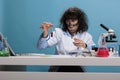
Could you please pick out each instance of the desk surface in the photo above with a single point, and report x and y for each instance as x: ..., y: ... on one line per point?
x: 59, y: 60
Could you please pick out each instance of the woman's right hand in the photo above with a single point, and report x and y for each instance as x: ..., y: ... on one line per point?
x: 45, y: 26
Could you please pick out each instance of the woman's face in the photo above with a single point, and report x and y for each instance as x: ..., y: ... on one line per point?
x: 72, y: 26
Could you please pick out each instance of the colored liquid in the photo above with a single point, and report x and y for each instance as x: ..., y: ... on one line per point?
x: 102, y: 52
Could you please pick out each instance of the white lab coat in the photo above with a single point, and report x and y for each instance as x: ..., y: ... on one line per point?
x: 64, y: 41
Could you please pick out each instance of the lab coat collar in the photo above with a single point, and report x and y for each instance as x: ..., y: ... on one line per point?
x: 67, y: 33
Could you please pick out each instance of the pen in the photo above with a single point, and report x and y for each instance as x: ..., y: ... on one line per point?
x: 51, y: 34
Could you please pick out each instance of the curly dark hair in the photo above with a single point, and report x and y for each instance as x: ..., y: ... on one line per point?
x: 74, y: 13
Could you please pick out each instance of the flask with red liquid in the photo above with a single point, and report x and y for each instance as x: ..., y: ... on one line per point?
x: 102, y: 49
x: 102, y: 52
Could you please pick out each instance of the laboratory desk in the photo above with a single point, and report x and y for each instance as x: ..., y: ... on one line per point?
x: 58, y: 60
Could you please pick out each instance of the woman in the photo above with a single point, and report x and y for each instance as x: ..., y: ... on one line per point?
x: 72, y: 35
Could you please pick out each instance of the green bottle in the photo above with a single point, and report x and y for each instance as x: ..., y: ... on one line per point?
x: 6, y: 52
x: 1, y: 53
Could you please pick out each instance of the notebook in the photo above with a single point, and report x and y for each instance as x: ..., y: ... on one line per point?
x: 12, y: 53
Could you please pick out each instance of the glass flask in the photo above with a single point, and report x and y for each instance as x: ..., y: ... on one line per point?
x: 103, y: 50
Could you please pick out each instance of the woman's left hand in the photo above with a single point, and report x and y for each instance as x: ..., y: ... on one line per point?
x: 79, y: 43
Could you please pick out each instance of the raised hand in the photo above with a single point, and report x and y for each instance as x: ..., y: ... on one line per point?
x: 45, y: 26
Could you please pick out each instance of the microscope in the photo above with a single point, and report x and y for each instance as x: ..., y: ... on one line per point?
x: 110, y: 35
x: 107, y: 43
